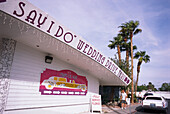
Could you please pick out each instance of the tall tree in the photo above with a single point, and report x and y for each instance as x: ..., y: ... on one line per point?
x: 127, y: 47
x: 141, y: 56
x: 125, y: 34
x: 132, y: 28
x: 122, y: 65
x: 151, y: 87
x: 142, y: 87
x: 165, y: 87
x: 117, y: 42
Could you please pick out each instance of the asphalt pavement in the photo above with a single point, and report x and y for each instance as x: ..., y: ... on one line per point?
x: 131, y: 109
x: 137, y: 109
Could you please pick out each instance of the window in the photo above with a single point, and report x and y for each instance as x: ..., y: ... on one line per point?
x: 153, y: 98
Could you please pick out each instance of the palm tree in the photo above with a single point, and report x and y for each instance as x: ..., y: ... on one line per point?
x: 141, y: 56
x: 117, y: 42
x: 127, y: 47
x: 125, y: 34
x: 131, y: 26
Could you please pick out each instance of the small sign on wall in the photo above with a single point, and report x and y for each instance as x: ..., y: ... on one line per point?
x: 96, y: 104
x: 64, y: 82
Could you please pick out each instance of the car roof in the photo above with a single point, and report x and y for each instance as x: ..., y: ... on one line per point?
x: 148, y: 93
x: 153, y: 96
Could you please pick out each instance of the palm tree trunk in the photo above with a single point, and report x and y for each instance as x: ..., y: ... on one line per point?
x: 127, y: 55
x: 119, y: 53
x: 127, y: 59
x: 138, y: 70
x: 136, y: 84
x: 132, y: 87
x: 127, y: 62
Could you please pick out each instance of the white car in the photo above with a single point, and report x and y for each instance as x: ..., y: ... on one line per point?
x: 155, y: 102
x: 147, y: 94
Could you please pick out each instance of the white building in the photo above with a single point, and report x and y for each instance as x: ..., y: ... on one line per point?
x: 29, y: 40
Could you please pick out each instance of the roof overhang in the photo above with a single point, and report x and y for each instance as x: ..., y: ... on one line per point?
x: 23, y: 22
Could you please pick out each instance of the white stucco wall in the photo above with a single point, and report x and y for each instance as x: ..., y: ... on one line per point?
x: 28, y: 64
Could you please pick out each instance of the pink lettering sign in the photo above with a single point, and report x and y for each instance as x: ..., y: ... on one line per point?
x: 64, y: 82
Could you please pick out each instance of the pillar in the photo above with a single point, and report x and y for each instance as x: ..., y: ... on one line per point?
x: 7, y: 49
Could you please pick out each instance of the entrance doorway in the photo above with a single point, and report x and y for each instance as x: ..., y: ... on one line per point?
x: 109, y: 94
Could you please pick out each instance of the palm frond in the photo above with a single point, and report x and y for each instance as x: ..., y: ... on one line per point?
x: 137, y: 31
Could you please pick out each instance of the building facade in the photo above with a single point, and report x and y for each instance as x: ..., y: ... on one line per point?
x: 45, y: 67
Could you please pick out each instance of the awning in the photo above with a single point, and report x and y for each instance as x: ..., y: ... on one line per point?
x: 23, y: 22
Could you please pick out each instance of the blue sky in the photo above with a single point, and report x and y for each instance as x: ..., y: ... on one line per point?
x: 97, y: 21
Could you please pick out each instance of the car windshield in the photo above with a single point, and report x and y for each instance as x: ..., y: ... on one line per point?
x: 146, y: 94
x: 153, y: 98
